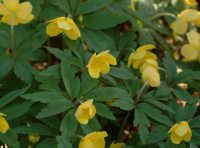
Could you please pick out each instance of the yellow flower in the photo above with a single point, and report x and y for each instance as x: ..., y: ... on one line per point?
x: 100, y: 63
x: 180, y: 26
x: 142, y: 53
x: 63, y: 25
x: 117, y: 145
x: 3, y: 124
x: 33, y: 138
x: 93, y: 140
x: 191, y: 51
x: 15, y: 13
x: 151, y: 76
x: 180, y: 132
x: 191, y: 2
x: 85, y: 112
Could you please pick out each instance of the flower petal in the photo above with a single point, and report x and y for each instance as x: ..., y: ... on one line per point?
x: 189, y: 15
x: 189, y: 52
x: 151, y: 75
x: 12, y: 5
x: 4, y: 10
x: 146, y: 47
x: 27, y: 19
x: 74, y: 32
x: 8, y: 20
x: 3, y: 125
x: 194, y: 38
x: 179, y: 26
x: 24, y: 10
x: 53, y: 30
x: 175, y: 138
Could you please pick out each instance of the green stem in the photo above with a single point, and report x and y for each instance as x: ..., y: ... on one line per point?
x: 123, y: 125
x: 163, y: 14
x: 140, y: 92
x: 12, y: 33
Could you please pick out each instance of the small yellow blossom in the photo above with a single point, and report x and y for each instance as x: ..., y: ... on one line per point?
x: 85, y: 112
x: 180, y: 25
x: 100, y: 63
x: 191, y: 51
x: 3, y: 124
x: 151, y: 76
x: 180, y: 132
x: 63, y: 25
x: 117, y: 145
x: 142, y: 53
x: 33, y: 138
x: 191, y: 2
x: 15, y: 13
x: 94, y: 140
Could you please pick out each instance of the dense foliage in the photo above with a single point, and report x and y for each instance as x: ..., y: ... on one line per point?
x: 99, y: 73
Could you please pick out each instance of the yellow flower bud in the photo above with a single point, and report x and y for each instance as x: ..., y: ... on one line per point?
x: 85, y: 112
x: 15, y: 13
x: 100, y: 63
x: 180, y: 132
x: 93, y: 140
x: 33, y: 138
x: 151, y: 76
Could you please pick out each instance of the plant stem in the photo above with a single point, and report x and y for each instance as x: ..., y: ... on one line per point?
x: 140, y: 92
x: 123, y: 125
x: 12, y: 34
x: 128, y: 113
x: 163, y: 14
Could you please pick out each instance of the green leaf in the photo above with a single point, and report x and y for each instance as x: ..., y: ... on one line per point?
x: 56, y: 107
x: 72, y: 84
x: 92, y: 126
x: 13, y: 111
x: 107, y: 93
x: 23, y: 70
x: 155, y: 113
x: 69, y: 123
x: 185, y: 113
x: 109, y: 19
x: 63, y: 141
x: 91, y: 6
x: 98, y: 40
x: 36, y: 7
x: 36, y: 128
x: 158, y: 134
x: 186, y: 75
x: 184, y: 95
x: 87, y: 84
x: 7, y: 63
x: 124, y: 103
x: 121, y: 73
x: 141, y: 120
x: 104, y: 111
x: 170, y: 67
x: 62, y: 4
x: 39, y: 37
x: 163, y: 90
x: 10, y: 138
x: 7, y: 98
x: 160, y: 105
x: 44, y: 97
x: 47, y: 142
x: 194, y: 123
